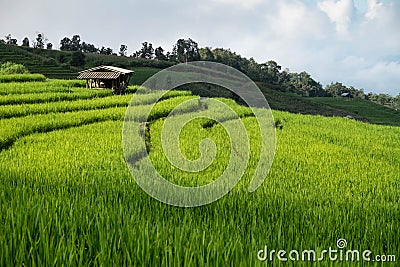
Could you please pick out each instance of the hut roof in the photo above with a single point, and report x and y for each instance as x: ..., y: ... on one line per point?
x: 99, y: 75
x: 103, y: 72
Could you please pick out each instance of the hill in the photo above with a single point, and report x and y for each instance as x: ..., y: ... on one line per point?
x: 293, y: 103
x: 362, y: 110
x: 374, y: 113
x: 36, y: 63
x: 54, y: 64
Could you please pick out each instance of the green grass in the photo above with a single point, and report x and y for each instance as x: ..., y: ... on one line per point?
x: 22, y: 78
x: 290, y: 102
x: 41, y: 61
x: 373, y: 112
x: 142, y: 74
x: 67, y: 197
x: 77, y: 94
x: 79, y: 102
x: 54, y: 86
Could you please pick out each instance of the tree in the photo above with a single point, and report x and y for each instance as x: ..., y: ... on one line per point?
x: 78, y: 59
x: 40, y: 41
x: 284, y: 80
x: 206, y: 54
x: 89, y: 48
x: 383, y: 99
x: 10, y: 40
x: 25, y: 42
x: 106, y: 51
x: 186, y: 50
x: 49, y: 46
x: 270, y: 72
x: 357, y: 93
x: 76, y: 43
x: 65, y: 44
x: 227, y: 57
x: 336, y: 89
x: 159, y: 53
x: 147, y: 51
x: 122, y: 50
x: 170, y: 57
x: 109, y: 51
x: 304, y: 84
x: 397, y: 102
x: 179, y: 50
x: 253, y: 70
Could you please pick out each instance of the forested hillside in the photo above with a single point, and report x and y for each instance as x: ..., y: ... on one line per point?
x: 75, y: 55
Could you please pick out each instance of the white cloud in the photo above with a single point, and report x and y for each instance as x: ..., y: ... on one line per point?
x: 383, y: 76
x: 295, y: 19
x: 340, y: 13
x: 373, y: 9
x: 377, y: 34
x: 242, y: 3
x: 330, y: 39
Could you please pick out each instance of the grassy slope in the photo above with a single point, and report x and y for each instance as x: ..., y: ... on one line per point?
x: 142, y: 74
x: 36, y: 63
x: 361, y: 110
x: 47, y: 63
x: 375, y: 113
x: 296, y: 104
x: 67, y: 197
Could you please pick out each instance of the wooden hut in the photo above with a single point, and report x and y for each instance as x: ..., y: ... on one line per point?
x: 106, y: 77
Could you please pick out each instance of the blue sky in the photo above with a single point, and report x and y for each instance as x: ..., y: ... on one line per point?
x: 356, y: 42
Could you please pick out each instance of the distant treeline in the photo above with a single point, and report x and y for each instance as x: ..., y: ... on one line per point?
x: 270, y: 73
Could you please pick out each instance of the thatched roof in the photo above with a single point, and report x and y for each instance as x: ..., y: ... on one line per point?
x: 103, y: 72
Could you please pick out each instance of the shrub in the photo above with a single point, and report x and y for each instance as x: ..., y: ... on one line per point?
x: 12, y: 68
x: 132, y: 89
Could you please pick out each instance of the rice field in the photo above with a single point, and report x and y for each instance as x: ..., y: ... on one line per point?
x: 22, y: 78
x: 68, y: 198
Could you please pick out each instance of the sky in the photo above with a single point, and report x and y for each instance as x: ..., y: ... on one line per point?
x: 356, y: 42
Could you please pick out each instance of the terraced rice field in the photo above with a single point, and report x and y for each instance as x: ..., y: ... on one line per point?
x: 67, y: 197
